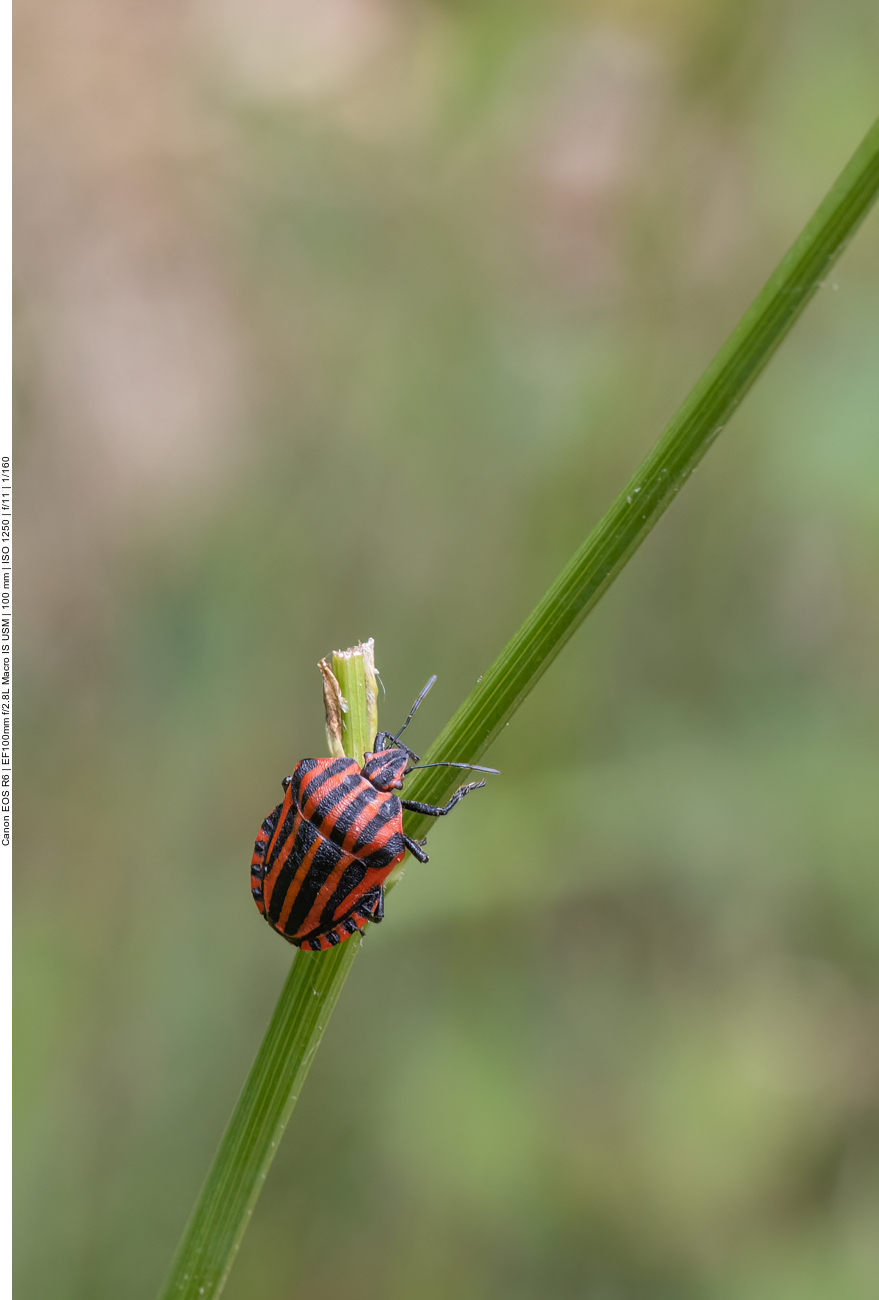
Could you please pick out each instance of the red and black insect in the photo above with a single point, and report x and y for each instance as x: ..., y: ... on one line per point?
x: 322, y: 856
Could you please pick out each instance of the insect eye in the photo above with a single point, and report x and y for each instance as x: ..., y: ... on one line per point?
x: 286, y: 782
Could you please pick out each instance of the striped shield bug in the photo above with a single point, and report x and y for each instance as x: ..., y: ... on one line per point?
x: 322, y: 856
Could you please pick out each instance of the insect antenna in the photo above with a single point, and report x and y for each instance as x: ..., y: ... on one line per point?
x: 473, y: 767
x: 414, y: 707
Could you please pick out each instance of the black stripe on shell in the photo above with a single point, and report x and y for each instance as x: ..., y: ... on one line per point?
x: 305, y: 837
x: 325, y: 859
x: 351, y: 877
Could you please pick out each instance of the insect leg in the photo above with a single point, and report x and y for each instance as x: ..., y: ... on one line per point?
x: 430, y: 810
x: 371, y: 906
x: 416, y: 848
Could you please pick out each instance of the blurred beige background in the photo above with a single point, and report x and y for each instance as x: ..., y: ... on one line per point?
x: 349, y: 319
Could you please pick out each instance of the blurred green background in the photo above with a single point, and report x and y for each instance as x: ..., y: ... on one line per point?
x: 349, y: 319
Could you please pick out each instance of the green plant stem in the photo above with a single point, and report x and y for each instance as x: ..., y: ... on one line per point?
x: 206, y: 1252
x: 658, y: 479
x: 212, y: 1237
x: 210, y: 1242
x: 355, y: 672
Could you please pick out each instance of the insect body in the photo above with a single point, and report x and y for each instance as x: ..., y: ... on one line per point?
x: 322, y: 856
